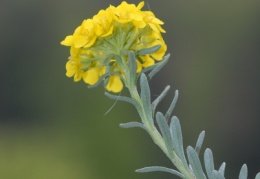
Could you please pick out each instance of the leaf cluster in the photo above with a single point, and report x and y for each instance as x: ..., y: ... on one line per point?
x: 188, y: 162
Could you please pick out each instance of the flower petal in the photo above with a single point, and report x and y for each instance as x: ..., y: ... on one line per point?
x: 91, y: 76
x: 67, y: 41
x: 114, y: 84
x: 140, y: 5
x: 148, y: 61
x: 139, y: 66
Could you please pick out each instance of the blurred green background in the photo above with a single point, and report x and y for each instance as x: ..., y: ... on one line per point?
x: 51, y: 127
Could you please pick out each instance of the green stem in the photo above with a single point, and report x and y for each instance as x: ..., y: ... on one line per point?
x: 156, y: 136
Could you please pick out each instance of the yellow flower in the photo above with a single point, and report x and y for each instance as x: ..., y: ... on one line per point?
x: 125, y: 13
x: 73, y: 68
x: 158, y: 55
x: 91, y: 76
x: 114, y: 84
x: 147, y: 61
x: 153, y: 22
x: 139, y: 67
x: 103, y: 21
x: 84, y: 35
x: 113, y: 31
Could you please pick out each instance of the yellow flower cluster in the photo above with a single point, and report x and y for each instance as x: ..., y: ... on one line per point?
x: 110, y: 32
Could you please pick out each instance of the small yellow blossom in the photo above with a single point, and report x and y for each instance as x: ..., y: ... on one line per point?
x: 147, y: 61
x: 114, y: 84
x: 91, y: 76
x: 104, y: 23
x: 113, y: 31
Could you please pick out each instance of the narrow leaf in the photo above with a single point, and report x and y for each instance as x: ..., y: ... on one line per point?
x: 222, y: 168
x: 200, y: 142
x: 132, y: 125
x: 159, y: 66
x: 172, y: 105
x: 150, y: 68
x: 146, y: 96
x: 164, y: 128
x: 159, y: 169
x: 107, y: 59
x: 122, y: 98
x: 217, y: 175
x: 257, y: 176
x: 209, y: 162
x: 160, y: 97
x: 119, y: 60
x: 150, y: 50
x: 195, y: 163
x: 132, y: 67
x: 176, y: 133
x: 243, y: 172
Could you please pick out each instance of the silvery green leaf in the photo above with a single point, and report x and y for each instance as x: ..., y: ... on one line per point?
x: 222, y: 169
x: 150, y: 68
x: 159, y: 66
x: 195, y: 163
x: 164, y: 128
x: 200, y: 142
x: 176, y: 133
x: 146, y: 96
x: 132, y: 66
x: 216, y: 175
x: 243, y: 172
x: 122, y: 98
x: 172, y: 105
x: 150, y: 50
x: 159, y: 169
x: 209, y: 162
x: 160, y: 97
x: 132, y: 125
x: 257, y: 176
x: 119, y: 60
x: 107, y: 59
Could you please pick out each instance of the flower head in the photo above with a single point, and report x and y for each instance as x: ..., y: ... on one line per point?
x: 114, y: 32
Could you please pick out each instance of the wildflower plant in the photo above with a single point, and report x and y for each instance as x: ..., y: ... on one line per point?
x: 122, y: 47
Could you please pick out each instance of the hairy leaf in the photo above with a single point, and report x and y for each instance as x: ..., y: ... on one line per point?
x: 119, y: 60
x: 172, y: 105
x: 257, y: 176
x: 122, y: 98
x: 146, y: 96
x: 222, y: 169
x: 132, y: 125
x: 200, y: 141
x: 209, y: 162
x: 159, y: 169
x: 176, y: 133
x: 195, y: 163
x: 159, y: 66
x: 243, y: 172
x: 132, y: 67
x: 164, y: 128
x: 160, y: 97
x: 216, y: 175
x: 150, y: 50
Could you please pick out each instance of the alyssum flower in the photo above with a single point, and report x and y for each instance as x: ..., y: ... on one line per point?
x: 116, y: 47
x: 113, y: 32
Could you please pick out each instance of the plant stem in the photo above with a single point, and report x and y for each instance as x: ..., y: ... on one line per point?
x: 156, y: 136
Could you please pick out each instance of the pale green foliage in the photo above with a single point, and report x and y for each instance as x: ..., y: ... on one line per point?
x: 165, y: 129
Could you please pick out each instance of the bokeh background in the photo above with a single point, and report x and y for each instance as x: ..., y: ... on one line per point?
x: 51, y: 127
